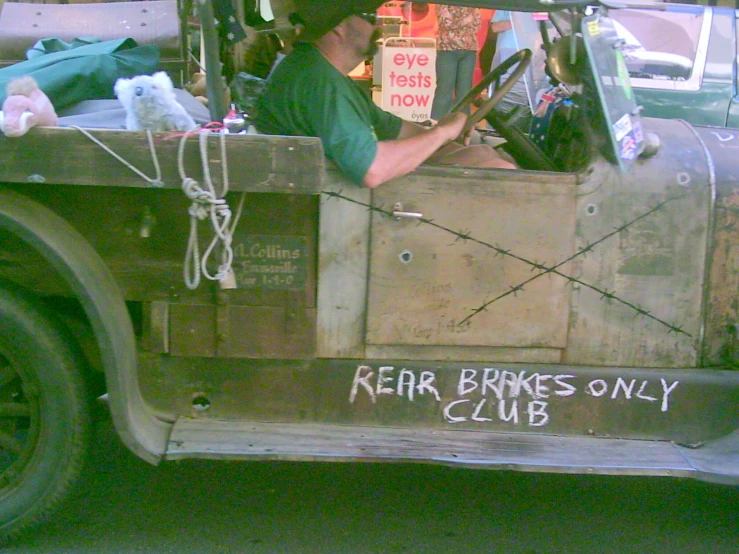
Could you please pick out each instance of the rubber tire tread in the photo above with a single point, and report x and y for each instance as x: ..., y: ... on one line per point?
x: 37, y: 342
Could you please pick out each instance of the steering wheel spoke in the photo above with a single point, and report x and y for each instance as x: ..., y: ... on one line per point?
x: 523, y: 59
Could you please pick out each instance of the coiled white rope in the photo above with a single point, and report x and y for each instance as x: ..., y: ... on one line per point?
x: 206, y: 204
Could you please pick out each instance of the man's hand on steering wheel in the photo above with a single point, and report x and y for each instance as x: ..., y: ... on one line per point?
x: 453, y: 125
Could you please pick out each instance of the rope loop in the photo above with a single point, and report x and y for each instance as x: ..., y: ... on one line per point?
x: 206, y: 204
x: 156, y: 182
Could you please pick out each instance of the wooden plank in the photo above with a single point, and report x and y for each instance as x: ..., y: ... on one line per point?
x: 194, y: 438
x: 343, y: 259
x: 155, y: 326
x: 500, y: 354
x: 654, y: 261
x: 257, y: 163
x: 478, y: 239
x: 265, y: 332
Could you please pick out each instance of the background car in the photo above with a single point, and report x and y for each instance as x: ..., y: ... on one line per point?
x: 682, y: 61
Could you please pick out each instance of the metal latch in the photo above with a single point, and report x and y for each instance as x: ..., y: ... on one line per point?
x: 398, y: 213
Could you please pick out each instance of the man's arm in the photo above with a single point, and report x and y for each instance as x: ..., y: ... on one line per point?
x: 413, y: 146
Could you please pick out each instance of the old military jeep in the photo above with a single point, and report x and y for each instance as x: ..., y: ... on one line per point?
x: 579, y: 315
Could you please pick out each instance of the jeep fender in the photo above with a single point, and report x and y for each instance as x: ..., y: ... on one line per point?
x: 102, y: 300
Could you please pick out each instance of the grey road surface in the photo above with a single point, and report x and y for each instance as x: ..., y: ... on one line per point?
x: 207, y: 507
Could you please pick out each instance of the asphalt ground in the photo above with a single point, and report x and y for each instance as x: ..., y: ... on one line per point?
x: 127, y: 506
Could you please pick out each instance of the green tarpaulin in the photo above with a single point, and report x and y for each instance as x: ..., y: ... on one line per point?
x: 85, y: 72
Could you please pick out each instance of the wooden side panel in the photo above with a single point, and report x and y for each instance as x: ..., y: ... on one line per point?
x: 343, y: 266
x: 501, y: 354
x: 479, y: 238
x: 722, y: 332
x: 721, y: 346
x: 142, y: 235
x: 639, y: 300
x: 265, y: 332
x: 257, y: 163
x: 193, y: 330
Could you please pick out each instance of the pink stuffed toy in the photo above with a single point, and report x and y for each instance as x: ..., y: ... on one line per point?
x: 26, y: 106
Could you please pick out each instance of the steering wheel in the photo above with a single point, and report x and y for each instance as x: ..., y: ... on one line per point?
x: 523, y: 59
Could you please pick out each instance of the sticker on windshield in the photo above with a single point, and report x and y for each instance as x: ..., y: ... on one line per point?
x: 623, y: 74
x: 622, y: 127
x: 638, y: 135
x: 593, y: 28
x: 628, y: 148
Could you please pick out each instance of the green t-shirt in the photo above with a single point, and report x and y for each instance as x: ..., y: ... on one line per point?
x: 307, y: 96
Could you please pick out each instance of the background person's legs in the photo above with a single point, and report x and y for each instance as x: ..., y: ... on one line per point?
x: 465, y: 70
x: 446, y: 72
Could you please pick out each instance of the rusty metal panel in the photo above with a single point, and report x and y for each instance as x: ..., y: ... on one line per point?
x: 460, y: 273
x: 722, y: 325
x: 721, y: 346
x: 640, y: 268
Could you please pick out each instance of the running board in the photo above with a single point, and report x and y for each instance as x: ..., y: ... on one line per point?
x: 199, y: 438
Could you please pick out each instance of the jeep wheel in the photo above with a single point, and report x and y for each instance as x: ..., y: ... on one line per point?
x: 44, y: 412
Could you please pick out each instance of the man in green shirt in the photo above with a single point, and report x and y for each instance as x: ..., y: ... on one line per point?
x: 310, y: 94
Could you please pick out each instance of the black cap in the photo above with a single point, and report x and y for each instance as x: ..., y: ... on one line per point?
x: 318, y: 17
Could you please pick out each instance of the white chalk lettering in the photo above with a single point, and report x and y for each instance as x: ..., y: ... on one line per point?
x: 598, y: 387
x: 489, y: 382
x: 467, y: 377
x: 640, y: 392
x: 525, y: 383
x: 541, y: 390
x: 512, y: 414
x: 383, y: 378
x: 666, y: 393
x: 406, y: 382
x: 567, y: 389
x: 476, y: 414
x: 491, y: 394
x: 426, y: 384
x: 722, y: 136
x: 511, y: 379
x: 448, y: 412
x: 361, y: 377
x: 537, y: 413
x: 621, y: 384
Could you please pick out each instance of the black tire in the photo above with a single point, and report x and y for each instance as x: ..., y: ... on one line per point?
x: 45, y: 431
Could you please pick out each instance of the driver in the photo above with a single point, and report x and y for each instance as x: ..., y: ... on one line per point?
x: 310, y: 94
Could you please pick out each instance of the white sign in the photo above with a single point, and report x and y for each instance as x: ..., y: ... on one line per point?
x: 409, y: 77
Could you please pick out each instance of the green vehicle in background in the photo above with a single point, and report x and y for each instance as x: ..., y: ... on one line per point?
x: 682, y: 60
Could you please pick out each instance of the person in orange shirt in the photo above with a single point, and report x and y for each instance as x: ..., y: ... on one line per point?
x: 456, y: 55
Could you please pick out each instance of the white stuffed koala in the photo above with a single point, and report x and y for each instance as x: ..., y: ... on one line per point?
x: 150, y: 103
